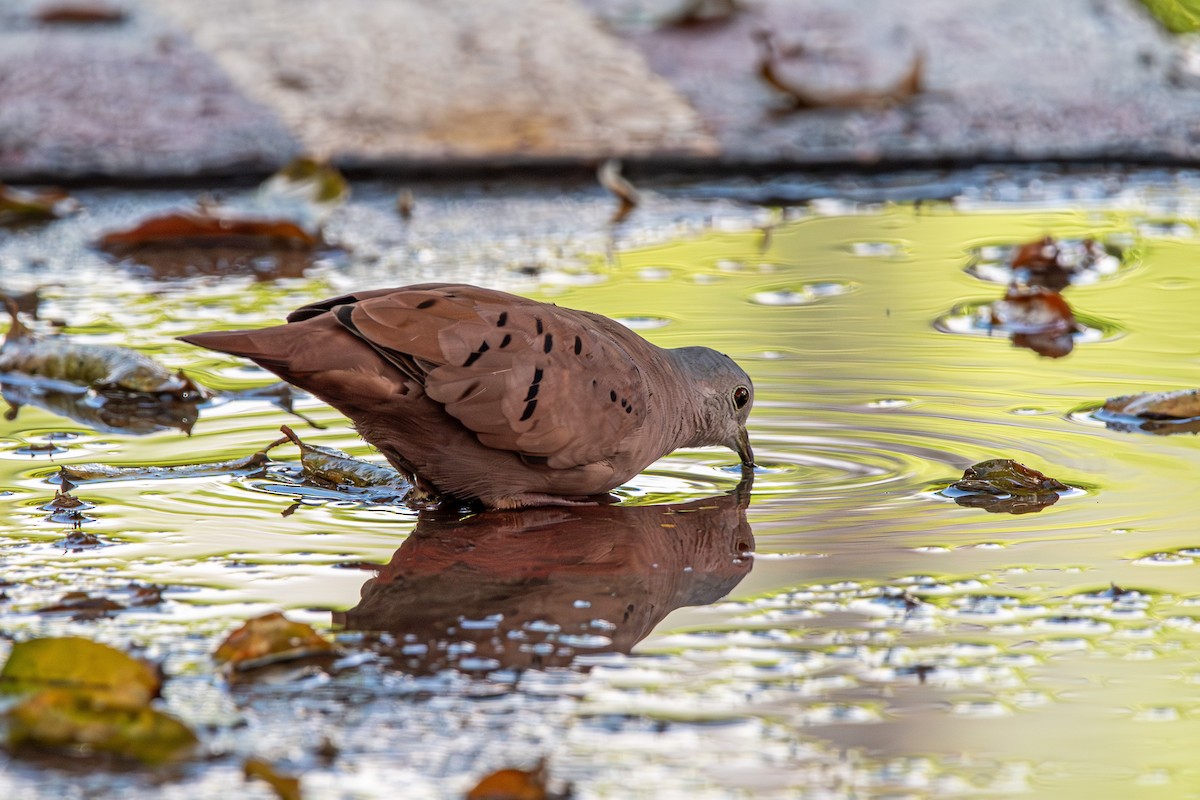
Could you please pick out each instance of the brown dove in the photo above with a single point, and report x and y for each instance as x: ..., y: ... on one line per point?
x: 474, y: 393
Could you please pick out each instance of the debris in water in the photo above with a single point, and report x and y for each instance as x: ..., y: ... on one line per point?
x: 270, y: 639
x: 1161, y: 413
x: 286, y: 214
x: 514, y: 784
x: 77, y: 474
x: 1049, y: 263
x: 405, y: 203
x: 286, y: 787
x: 85, y: 697
x: 1005, y: 486
x: 610, y: 178
x: 330, y: 467
x: 773, y: 68
x: 94, y: 13
x: 33, y: 205
x: 101, y: 367
x: 1036, y: 318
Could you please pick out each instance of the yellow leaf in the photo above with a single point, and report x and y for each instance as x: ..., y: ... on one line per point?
x: 115, y: 680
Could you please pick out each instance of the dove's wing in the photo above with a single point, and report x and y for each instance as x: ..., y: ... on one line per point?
x: 558, y: 386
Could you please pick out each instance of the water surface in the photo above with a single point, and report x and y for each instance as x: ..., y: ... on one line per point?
x: 844, y: 631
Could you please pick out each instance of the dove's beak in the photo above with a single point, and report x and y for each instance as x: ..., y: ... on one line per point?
x: 741, y: 446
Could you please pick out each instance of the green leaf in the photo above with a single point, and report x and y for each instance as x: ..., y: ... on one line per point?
x: 1179, y: 16
x: 71, y: 719
x: 114, y: 679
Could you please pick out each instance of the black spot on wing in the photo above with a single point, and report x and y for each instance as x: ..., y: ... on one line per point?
x: 549, y: 344
x: 471, y: 359
x: 529, y: 407
x: 538, y: 320
x: 578, y: 345
x: 502, y: 320
x: 427, y: 303
x: 505, y: 341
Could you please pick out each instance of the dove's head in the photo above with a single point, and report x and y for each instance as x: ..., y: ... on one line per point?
x: 723, y: 395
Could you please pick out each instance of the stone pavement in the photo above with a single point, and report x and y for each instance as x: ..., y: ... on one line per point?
x: 220, y: 88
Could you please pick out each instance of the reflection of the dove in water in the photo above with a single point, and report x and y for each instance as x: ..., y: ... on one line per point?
x: 539, y: 587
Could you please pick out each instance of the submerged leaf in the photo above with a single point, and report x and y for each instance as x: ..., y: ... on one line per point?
x: 72, y: 719
x: 114, y: 679
x: 270, y: 639
x: 90, y: 473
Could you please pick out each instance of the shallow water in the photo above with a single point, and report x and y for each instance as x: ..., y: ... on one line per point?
x: 850, y: 633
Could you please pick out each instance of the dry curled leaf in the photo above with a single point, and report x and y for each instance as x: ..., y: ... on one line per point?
x: 329, y: 467
x: 628, y: 197
x: 286, y: 787
x: 94, y: 13
x: 772, y: 69
x: 270, y: 639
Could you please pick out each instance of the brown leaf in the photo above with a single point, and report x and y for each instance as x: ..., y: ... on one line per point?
x: 1179, y: 404
x: 1004, y: 485
x: 19, y: 205
x: 512, y: 784
x: 209, y: 228
x: 81, y: 14
x: 270, y: 639
x: 287, y: 787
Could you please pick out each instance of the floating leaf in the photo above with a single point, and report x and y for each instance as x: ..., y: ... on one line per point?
x: 308, y: 181
x: 90, y: 473
x: 75, y: 720
x: 270, y: 639
x: 81, y: 14
x: 1004, y: 485
x: 1160, y: 413
x: 512, y: 784
x: 1180, y: 404
x: 82, y: 604
x: 23, y: 205
x: 287, y: 787
x: 58, y: 358
x: 209, y: 228
x: 325, y: 465
x: 116, y: 411
x: 115, y: 679
x: 610, y: 178
x: 1179, y: 16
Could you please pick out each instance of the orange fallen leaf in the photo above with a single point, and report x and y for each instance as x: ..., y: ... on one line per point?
x: 287, y: 787
x: 209, y: 228
x: 269, y: 639
x: 512, y: 784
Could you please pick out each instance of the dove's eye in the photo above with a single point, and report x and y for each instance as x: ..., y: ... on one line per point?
x: 741, y: 396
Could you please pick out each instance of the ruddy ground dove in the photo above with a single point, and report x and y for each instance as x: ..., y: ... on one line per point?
x: 478, y: 394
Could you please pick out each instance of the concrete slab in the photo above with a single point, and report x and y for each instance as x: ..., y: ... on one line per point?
x: 1003, y: 79
x: 420, y: 84
x: 218, y: 88
x: 130, y: 100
